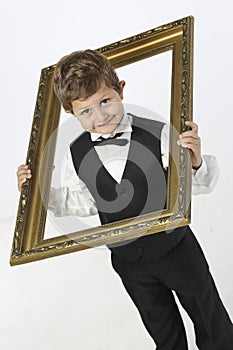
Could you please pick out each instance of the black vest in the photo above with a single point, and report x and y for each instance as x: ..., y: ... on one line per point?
x: 142, y: 189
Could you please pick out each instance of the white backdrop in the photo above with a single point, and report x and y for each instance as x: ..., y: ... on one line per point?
x: 77, y: 301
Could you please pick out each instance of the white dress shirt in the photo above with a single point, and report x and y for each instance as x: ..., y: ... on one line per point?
x: 73, y: 197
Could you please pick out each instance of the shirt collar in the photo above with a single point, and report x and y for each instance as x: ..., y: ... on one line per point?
x: 124, y: 126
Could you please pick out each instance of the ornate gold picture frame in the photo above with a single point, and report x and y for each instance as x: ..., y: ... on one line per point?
x: 29, y: 243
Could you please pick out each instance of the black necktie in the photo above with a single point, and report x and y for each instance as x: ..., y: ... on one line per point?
x: 111, y: 140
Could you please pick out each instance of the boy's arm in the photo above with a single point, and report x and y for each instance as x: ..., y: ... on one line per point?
x: 73, y: 197
x: 205, y: 170
x: 64, y: 201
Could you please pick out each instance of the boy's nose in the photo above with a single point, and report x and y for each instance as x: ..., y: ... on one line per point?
x: 100, y: 115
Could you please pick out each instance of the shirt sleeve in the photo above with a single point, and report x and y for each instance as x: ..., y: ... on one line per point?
x: 165, y: 145
x: 73, y: 197
x: 203, y: 179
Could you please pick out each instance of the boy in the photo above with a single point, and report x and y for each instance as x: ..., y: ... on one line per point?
x: 125, y: 176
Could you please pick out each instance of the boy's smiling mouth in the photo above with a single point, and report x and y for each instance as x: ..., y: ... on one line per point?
x: 106, y: 122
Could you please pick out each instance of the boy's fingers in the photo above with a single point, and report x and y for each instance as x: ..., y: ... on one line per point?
x: 22, y: 166
x: 23, y: 176
x: 189, y: 133
x: 189, y: 144
x: 23, y: 173
x: 193, y: 132
x: 194, y: 140
x: 193, y: 125
x: 23, y: 170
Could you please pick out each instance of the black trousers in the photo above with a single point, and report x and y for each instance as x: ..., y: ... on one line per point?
x: 184, y: 270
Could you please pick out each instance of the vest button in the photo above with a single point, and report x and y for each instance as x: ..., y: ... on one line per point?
x: 140, y: 249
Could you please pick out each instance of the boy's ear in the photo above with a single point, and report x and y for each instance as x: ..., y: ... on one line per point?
x: 122, y: 85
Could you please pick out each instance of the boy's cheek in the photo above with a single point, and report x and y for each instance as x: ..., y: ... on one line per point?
x: 118, y: 108
x: 85, y: 125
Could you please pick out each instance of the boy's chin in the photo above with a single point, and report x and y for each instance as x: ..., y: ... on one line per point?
x: 106, y: 130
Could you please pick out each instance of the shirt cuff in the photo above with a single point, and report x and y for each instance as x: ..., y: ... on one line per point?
x: 205, y: 178
x: 202, y: 171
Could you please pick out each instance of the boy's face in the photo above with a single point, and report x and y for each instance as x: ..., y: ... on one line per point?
x: 101, y: 112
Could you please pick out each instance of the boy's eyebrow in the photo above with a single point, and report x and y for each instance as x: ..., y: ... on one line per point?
x: 103, y: 96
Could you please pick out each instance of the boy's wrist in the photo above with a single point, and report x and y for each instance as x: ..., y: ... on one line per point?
x: 197, y: 165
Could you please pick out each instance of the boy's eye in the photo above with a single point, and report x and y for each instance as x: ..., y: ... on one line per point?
x: 104, y: 102
x: 86, y: 112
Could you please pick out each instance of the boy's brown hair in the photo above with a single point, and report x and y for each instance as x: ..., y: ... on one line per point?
x: 80, y: 74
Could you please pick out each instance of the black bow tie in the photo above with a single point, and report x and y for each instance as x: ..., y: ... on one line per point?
x: 101, y: 141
